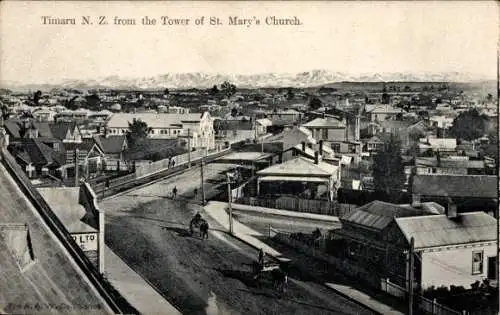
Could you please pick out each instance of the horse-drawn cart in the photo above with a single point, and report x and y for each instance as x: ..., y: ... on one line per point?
x: 276, y: 271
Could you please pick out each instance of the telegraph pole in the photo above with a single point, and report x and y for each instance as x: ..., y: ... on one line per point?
x: 77, y: 171
x: 203, y: 200
x: 411, y: 276
x: 189, y: 148
x: 230, y: 200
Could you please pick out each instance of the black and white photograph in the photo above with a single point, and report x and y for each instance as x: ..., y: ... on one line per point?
x: 249, y: 157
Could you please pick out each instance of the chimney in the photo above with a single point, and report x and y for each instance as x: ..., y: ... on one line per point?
x: 316, y: 157
x: 438, y: 157
x: 416, y: 203
x: 303, y: 146
x: 451, y: 211
x: 324, y: 115
x: 356, y: 128
x: 321, y: 147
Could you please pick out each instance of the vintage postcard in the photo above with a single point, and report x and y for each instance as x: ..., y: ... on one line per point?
x: 249, y: 157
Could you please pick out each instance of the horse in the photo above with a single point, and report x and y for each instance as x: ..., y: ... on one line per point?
x: 203, y: 229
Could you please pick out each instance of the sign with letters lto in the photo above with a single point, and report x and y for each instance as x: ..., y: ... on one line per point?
x: 86, y: 241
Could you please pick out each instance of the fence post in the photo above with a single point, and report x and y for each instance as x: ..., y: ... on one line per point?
x: 434, y: 306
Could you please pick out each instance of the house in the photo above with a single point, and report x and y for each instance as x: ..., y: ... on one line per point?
x: 458, y: 250
x: 44, y: 114
x: 301, y: 172
x: 380, y: 112
x: 438, y: 144
x: 67, y: 132
x: 287, y: 140
x: 374, y: 144
x: 286, y: 115
x: 36, y: 158
x: 468, y: 192
x: 327, y: 129
x: 449, y: 166
x: 198, y: 127
x: 402, y: 128
x: 365, y: 237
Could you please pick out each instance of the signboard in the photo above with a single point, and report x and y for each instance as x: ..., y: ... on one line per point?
x: 86, y: 241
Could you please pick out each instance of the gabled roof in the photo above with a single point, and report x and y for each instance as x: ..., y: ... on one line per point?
x: 300, y: 167
x: 478, y: 186
x: 36, y: 152
x: 111, y: 144
x: 398, y: 124
x: 153, y: 120
x: 13, y: 128
x: 383, y: 109
x: 327, y: 122
x: 60, y: 129
x: 439, y: 230
x: 449, y: 163
x: 378, y: 214
x: 290, y: 138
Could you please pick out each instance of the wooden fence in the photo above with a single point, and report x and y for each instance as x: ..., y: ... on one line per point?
x: 300, y: 205
x: 352, y: 270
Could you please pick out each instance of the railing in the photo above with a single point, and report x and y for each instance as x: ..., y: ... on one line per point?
x: 55, y: 225
x: 423, y: 303
x: 146, y: 175
x: 433, y: 307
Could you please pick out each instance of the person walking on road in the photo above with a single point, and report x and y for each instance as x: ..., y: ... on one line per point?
x: 261, y: 257
x: 174, y: 192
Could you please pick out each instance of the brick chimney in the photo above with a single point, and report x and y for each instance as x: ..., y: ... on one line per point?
x: 303, y: 146
x: 321, y: 147
x: 316, y: 157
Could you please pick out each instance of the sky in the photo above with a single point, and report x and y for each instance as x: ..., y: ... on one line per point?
x: 352, y: 37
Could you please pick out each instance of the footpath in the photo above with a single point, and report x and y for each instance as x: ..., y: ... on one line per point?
x: 217, y: 210
x: 285, y: 213
x: 135, y: 289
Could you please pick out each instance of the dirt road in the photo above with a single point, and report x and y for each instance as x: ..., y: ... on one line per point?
x: 150, y: 232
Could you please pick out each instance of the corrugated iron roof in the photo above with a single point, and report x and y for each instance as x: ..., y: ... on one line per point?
x: 439, y: 230
x: 378, y: 214
x: 480, y: 186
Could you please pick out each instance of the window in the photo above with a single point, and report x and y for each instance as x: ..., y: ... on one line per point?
x: 477, y: 262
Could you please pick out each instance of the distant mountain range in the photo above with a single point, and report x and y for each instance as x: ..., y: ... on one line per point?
x: 206, y: 80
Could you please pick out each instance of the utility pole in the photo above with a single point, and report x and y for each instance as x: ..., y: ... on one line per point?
x: 230, y: 200
x: 203, y: 200
x: 77, y: 171
x: 411, y: 276
x: 189, y: 148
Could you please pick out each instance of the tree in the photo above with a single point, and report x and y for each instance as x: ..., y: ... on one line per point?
x: 489, y: 98
x: 388, y: 169
x: 214, y: 90
x: 137, y: 130
x: 290, y: 94
x: 93, y: 101
x: 234, y: 112
x: 166, y: 92
x: 469, y: 125
x: 36, y: 97
x: 5, y: 111
x: 228, y: 89
x: 315, y: 103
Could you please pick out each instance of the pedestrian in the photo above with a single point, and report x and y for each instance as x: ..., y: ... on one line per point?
x: 261, y: 257
x: 173, y: 163
x: 174, y: 192
x: 195, y: 192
